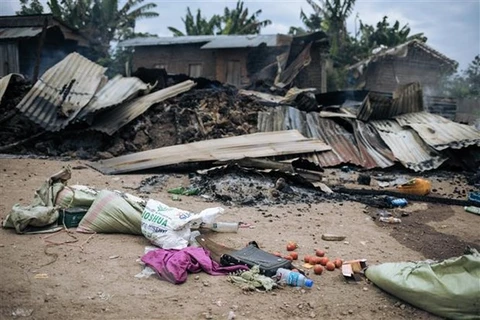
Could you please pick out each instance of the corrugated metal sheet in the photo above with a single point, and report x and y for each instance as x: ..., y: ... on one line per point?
x: 241, y: 41
x: 407, y: 146
x: 5, y: 81
x: 373, y: 150
x: 301, y: 61
x: 379, y: 106
x: 346, y: 148
x: 439, y: 132
x: 112, y: 120
x: 257, y: 145
x: 62, y: 91
x: 444, y: 106
x: 116, y: 91
x: 19, y: 32
x: 156, y: 41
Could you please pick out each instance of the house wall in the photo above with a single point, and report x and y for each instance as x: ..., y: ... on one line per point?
x: 385, y: 75
x: 224, y: 56
x: 176, y: 58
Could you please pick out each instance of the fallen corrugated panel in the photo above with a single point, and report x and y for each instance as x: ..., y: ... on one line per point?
x: 342, y: 142
x: 116, y: 91
x: 374, y: 151
x: 62, y: 91
x: 407, y: 146
x: 379, y: 106
x: 313, y: 126
x: 286, y: 76
x: 5, y: 81
x: 112, y: 120
x: 257, y: 145
x: 439, y: 132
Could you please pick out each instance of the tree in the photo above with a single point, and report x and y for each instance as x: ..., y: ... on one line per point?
x: 466, y: 84
x: 27, y: 7
x: 102, y: 20
x: 198, y: 25
x: 235, y: 21
x: 311, y: 23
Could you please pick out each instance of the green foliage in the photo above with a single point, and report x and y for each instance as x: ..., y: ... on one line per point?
x: 197, y: 25
x: 28, y: 7
x: 102, y: 21
x: 233, y: 21
x: 463, y: 85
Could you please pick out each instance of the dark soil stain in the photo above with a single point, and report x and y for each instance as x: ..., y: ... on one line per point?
x: 414, y: 233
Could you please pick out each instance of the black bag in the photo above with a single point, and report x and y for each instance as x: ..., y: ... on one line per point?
x: 251, y: 255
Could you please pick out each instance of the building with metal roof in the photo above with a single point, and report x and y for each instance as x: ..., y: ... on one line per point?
x: 30, y: 44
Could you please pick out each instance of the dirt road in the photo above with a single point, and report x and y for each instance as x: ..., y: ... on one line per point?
x: 94, y: 279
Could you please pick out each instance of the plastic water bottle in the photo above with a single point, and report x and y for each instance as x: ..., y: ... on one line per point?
x: 397, y: 202
x: 293, y: 278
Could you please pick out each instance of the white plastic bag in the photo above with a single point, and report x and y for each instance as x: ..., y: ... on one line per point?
x: 169, y: 228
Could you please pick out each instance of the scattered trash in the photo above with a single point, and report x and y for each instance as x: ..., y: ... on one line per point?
x: 416, y: 186
x: 364, y: 179
x: 390, y: 220
x: 472, y: 209
x: 41, y: 276
x: 169, y: 227
x: 333, y: 237
x: 184, y: 191
x: 383, y: 214
x: 474, y: 197
x: 448, y: 289
x: 173, y: 265
x: 396, y: 202
x: 22, y: 312
x: 221, y: 226
x: 354, y: 269
x: 292, y: 278
x: 252, y: 280
x: 114, y: 257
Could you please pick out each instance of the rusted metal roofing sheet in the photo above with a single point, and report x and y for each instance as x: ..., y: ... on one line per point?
x: 257, y: 145
x: 380, y: 105
x: 116, y: 91
x: 62, y: 91
x: 359, y: 149
x: 374, y: 152
x: 407, y: 146
x: 285, y: 77
x: 19, y: 32
x: 440, y: 133
x: 112, y: 120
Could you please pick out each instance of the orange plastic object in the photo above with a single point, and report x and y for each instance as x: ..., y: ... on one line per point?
x: 417, y: 186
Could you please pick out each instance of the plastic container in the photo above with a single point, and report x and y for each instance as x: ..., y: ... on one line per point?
x: 293, y: 278
x: 397, y: 202
x: 391, y: 220
x: 221, y: 226
x: 472, y: 209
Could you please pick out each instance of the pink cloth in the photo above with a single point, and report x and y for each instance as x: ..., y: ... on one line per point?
x: 173, y: 265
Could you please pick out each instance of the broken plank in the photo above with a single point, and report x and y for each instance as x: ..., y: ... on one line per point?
x: 256, y: 145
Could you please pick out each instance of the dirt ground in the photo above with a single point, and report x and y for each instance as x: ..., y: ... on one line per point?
x: 93, y: 278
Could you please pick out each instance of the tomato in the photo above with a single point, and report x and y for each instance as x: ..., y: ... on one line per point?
x: 314, y: 260
x: 294, y: 255
x: 291, y: 246
x: 319, y: 253
x: 288, y: 258
x: 318, y: 269
x: 323, y: 261
x: 278, y: 254
x: 338, y: 263
x: 330, y: 266
x: 307, y: 258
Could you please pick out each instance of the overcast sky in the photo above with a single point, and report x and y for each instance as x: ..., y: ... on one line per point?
x: 452, y: 27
